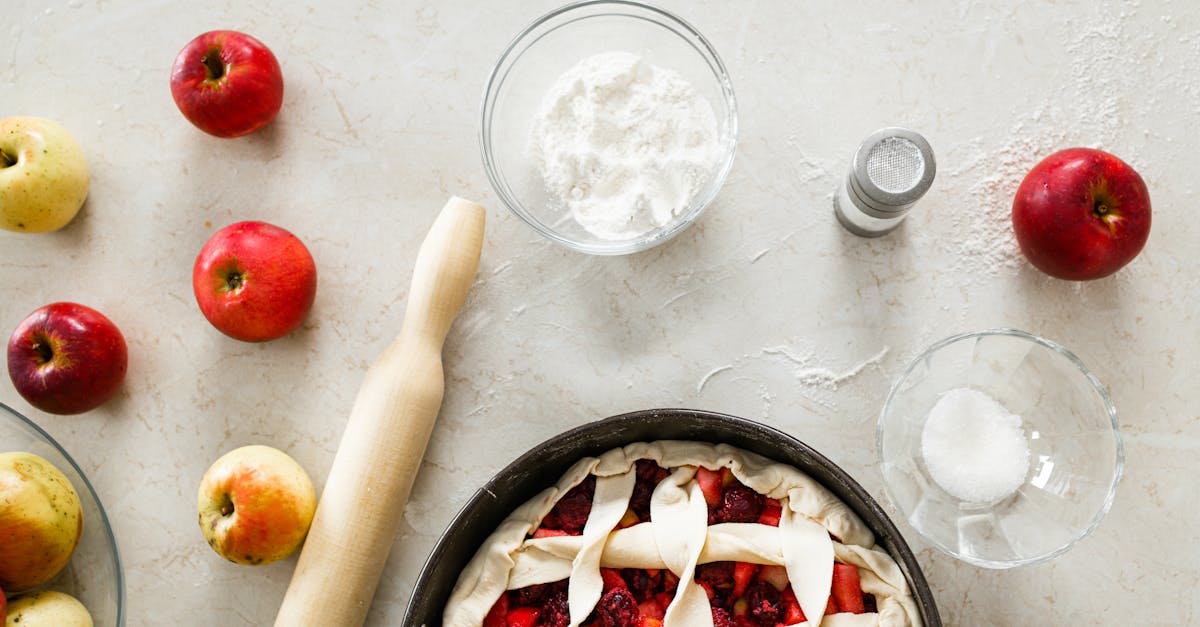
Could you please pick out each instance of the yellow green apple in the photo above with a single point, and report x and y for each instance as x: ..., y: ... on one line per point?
x: 256, y: 504
x: 47, y: 609
x: 43, y: 175
x: 40, y: 522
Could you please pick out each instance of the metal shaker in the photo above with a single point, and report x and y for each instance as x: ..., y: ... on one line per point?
x: 891, y: 170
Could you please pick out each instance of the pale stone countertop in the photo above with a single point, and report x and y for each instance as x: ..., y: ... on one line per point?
x: 379, y: 126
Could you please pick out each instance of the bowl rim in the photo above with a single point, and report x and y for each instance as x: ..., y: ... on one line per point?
x: 105, y: 524
x: 583, y: 440
x: 700, y: 202
x: 1109, y: 407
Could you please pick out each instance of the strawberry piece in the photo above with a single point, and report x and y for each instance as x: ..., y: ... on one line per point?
x: 650, y: 609
x: 792, y: 613
x: 612, y: 579
x: 831, y: 607
x: 495, y: 616
x: 847, y: 589
x: 542, y: 532
x: 727, y: 477
x: 710, y: 484
x: 743, y: 574
x: 708, y: 589
x: 650, y: 622
x: 523, y: 617
x: 772, y: 510
x: 775, y: 575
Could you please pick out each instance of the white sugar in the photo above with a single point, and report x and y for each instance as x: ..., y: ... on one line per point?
x: 973, y: 447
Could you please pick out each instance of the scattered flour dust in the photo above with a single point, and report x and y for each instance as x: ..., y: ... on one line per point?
x: 973, y: 447
x: 623, y: 144
x: 1086, y: 111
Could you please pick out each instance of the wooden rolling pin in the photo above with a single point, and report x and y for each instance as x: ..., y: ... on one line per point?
x: 385, y: 438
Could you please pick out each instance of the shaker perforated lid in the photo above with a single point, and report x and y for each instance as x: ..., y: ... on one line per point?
x: 892, y: 169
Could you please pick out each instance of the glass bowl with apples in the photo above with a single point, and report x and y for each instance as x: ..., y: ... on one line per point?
x: 92, y: 575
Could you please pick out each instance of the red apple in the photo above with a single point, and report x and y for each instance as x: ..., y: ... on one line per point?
x: 256, y: 504
x: 227, y: 83
x: 1081, y: 214
x: 65, y: 358
x: 254, y: 281
x: 3, y: 607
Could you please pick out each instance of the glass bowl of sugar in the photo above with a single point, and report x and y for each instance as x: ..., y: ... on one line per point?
x: 1000, y: 448
x: 608, y: 126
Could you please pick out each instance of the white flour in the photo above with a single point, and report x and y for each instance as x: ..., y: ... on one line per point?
x: 624, y: 145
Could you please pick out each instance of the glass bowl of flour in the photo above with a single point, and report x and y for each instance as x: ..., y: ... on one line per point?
x: 1000, y: 448
x: 608, y: 126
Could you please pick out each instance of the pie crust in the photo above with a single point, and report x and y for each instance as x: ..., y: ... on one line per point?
x: 678, y: 538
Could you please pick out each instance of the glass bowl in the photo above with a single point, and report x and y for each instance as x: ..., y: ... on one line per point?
x: 94, y: 574
x: 1068, y: 421
x: 547, y: 48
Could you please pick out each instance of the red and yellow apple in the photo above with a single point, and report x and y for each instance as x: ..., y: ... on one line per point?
x: 254, y: 281
x: 41, y: 521
x: 43, y: 175
x: 1081, y: 214
x: 66, y: 358
x: 256, y: 504
x: 227, y: 83
x: 48, y: 608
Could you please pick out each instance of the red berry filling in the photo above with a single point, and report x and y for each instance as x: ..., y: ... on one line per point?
x: 649, y: 475
x: 730, y: 501
x: 741, y: 594
x: 571, y: 512
x: 750, y: 595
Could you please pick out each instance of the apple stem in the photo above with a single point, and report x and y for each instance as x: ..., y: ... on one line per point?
x: 44, y: 351
x: 5, y: 160
x: 234, y: 280
x: 226, y: 505
x: 213, y: 65
x: 1100, y: 208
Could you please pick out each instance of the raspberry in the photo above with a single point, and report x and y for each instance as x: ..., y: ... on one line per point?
x: 571, y: 512
x: 721, y: 618
x: 531, y: 595
x: 642, y: 584
x: 718, y: 575
x: 765, y: 603
x: 555, y: 611
x: 535, y: 594
x: 649, y: 470
x: 649, y: 474
x: 617, y: 608
x: 740, y: 504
